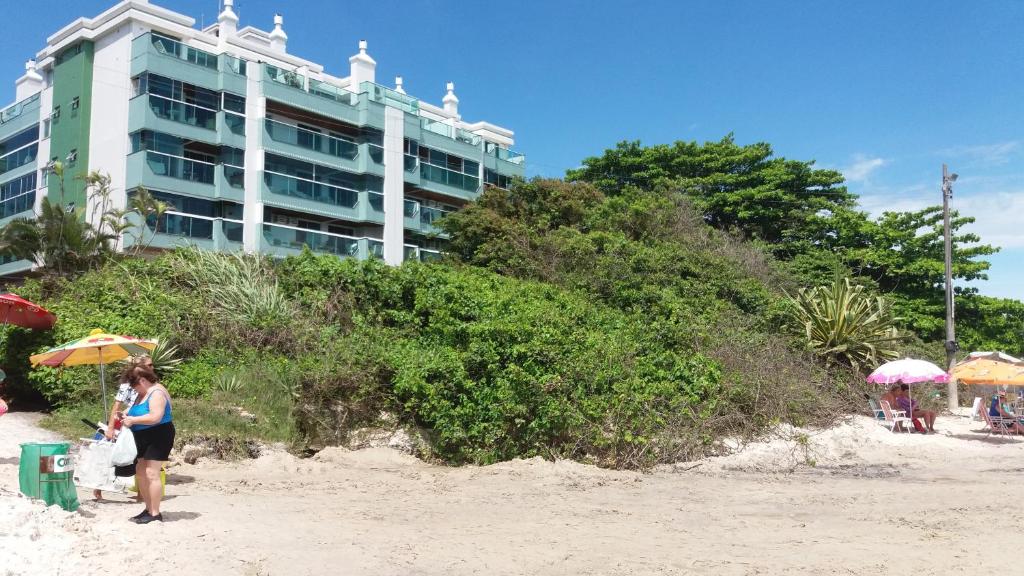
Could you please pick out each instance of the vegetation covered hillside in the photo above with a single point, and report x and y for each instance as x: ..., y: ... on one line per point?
x: 640, y: 311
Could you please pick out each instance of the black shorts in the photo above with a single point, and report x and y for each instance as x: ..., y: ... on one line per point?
x: 155, y: 443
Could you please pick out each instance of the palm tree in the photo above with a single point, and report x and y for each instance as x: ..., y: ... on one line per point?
x: 60, y: 239
x: 844, y: 324
x: 148, y: 209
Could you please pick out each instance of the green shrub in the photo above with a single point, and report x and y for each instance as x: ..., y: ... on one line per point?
x: 196, y: 377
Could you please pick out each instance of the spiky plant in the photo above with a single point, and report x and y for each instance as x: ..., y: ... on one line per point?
x: 844, y: 324
x: 165, y: 357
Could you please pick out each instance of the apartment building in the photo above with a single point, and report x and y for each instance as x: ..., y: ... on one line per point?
x: 250, y: 146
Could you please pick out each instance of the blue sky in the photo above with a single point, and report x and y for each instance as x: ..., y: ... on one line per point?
x: 884, y: 91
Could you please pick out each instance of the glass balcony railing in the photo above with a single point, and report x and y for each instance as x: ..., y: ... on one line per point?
x: 436, y: 126
x: 389, y: 97
x: 412, y: 252
x: 308, y: 190
x: 411, y: 209
x: 427, y: 255
x: 467, y: 137
x: 411, y: 162
x: 447, y: 177
x: 182, y: 168
x: 376, y: 201
x: 375, y: 248
x: 325, y: 242
x: 232, y: 64
x: 233, y: 230
x: 235, y: 123
x: 18, y: 204
x: 288, y: 78
x: 311, y: 140
x: 510, y: 156
x: 195, y: 227
x: 173, y: 48
x: 19, y: 158
x: 175, y: 224
x: 376, y: 153
x: 430, y: 215
x: 235, y: 176
x: 17, y: 109
x: 331, y: 92
x: 183, y: 113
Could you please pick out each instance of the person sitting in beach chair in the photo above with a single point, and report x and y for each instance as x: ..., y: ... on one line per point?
x: 909, y: 405
x: 891, y: 396
x: 1000, y: 409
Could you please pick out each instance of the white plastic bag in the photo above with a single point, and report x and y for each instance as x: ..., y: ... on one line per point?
x: 124, y: 448
x: 93, y: 468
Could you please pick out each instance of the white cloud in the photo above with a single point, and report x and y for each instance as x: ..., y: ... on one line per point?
x: 998, y: 216
x: 862, y: 167
x: 883, y: 199
x: 995, y: 154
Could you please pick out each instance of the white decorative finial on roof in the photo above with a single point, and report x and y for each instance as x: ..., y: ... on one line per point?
x: 398, y: 85
x: 30, y: 69
x: 278, y: 38
x: 30, y: 83
x: 451, y: 101
x: 362, y: 57
x: 227, y: 13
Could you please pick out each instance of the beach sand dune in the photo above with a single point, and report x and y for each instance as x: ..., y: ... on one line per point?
x: 853, y: 499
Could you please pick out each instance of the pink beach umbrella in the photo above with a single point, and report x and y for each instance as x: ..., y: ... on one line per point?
x: 908, y: 371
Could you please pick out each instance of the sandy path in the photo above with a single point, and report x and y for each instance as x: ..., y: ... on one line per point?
x: 875, y: 503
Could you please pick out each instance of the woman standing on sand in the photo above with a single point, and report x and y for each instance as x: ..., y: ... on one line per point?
x: 150, y: 420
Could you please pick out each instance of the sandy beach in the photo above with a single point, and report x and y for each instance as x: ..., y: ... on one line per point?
x: 854, y: 499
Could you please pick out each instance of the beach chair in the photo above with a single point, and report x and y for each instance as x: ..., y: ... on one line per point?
x: 975, y: 408
x: 877, y: 410
x: 996, y: 424
x: 895, y: 419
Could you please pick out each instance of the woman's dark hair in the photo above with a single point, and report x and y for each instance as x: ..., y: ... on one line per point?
x: 904, y: 387
x: 139, y: 372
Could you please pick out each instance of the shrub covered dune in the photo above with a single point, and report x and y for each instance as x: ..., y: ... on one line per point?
x: 619, y: 325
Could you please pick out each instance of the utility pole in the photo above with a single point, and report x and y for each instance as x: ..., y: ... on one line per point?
x: 951, y: 345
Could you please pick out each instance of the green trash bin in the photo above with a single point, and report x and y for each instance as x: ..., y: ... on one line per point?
x: 45, y: 473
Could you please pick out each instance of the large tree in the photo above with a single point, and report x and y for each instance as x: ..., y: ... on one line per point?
x: 738, y: 188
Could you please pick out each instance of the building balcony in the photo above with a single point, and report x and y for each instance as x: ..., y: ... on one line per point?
x: 19, y: 116
x: 159, y: 171
x: 388, y: 97
x: 448, y: 182
x: 20, y: 206
x: 175, y: 230
x: 419, y: 218
x: 289, y: 192
x: 152, y: 112
x: 281, y: 240
x: 322, y: 148
x: 321, y: 98
x: 504, y: 161
x: 415, y: 253
x: 173, y: 59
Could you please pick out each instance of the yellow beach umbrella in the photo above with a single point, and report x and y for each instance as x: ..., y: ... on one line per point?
x: 988, y: 372
x: 96, y: 348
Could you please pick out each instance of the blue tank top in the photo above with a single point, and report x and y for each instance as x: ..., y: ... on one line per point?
x: 142, y: 409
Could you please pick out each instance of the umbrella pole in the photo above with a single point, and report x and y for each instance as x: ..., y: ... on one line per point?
x: 103, y: 386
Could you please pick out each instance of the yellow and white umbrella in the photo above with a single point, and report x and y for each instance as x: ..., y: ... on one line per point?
x: 96, y: 348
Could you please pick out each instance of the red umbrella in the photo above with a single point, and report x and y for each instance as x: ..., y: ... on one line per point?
x: 20, y: 312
